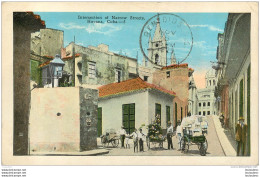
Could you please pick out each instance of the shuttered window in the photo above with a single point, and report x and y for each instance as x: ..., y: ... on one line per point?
x: 129, y: 117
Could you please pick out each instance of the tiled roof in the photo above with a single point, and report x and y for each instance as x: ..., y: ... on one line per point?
x: 37, y: 17
x: 44, y: 64
x: 129, y: 86
x: 184, y: 65
x: 70, y: 57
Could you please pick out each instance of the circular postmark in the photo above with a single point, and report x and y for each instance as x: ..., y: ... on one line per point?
x: 166, y: 37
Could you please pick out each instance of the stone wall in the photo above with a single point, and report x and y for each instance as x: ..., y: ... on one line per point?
x: 47, y: 42
x: 24, y: 23
x: 88, y: 118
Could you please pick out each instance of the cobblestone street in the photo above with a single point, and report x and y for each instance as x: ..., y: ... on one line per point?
x: 214, y: 147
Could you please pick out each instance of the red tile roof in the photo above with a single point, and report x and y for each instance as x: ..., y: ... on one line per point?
x: 184, y: 65
x: 70, y: 57
x: 44, y: 64
x: 37, y: 17
x: 129, y: 86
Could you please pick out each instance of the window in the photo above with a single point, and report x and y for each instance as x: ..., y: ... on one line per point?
x: 248, y: 110
x: 208, y: 112
x: 204, y: 104
x: 204, y: 113
x: 241, y: 98
x: 176, y: 113
x: 92, y: 69
x: 209, y: 82
x: 208, y: 103
x: 156, y: 45
x: 199, y: 113
x: 99, y: 122
x: 214, y: 83
x: 199, y: 104
x: 156, y: 58
x: 129, y: 117
x: 118, y: 75
x: 158, y: 111
x: 145, y: 78
x: 168, y: 114
x: 168, y: 74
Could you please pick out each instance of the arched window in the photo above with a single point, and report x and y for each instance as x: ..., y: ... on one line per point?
x: 156, y: 58
x: 209, y: 82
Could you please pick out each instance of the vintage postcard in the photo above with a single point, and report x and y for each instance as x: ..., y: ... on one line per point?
x: 116, y: 83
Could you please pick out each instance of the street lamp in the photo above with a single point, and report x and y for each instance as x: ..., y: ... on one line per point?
x: 53, y: 72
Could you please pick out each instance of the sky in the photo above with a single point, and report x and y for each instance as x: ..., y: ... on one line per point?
x: 124, y: 37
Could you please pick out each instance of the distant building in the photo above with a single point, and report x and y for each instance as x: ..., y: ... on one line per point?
x: 175, y: 78
x: 132, y: 103
x: 96, y: 66
x: 233, y: 90
x: 193, y: 97
x: 206, y: 98
x: 157, y: 53
x: 45, y: 44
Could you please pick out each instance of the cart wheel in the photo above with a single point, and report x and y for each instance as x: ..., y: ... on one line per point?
x: 206, y: 144
x: 161, y: 145
x: 115, y: 142
x: 202, y: 149
x: 184, y: 145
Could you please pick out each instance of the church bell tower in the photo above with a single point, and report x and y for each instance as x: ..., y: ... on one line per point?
x: 157, y: 51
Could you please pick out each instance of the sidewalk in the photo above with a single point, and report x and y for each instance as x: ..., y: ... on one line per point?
x: 83, y: 153
x: 227, y: 143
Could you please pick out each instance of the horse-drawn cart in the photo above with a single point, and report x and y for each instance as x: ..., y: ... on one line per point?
x: 194, y: 131
x: 110, y: 137
x: 156, y: 142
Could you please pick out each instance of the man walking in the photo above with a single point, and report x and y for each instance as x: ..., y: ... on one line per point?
x: 241, y: 133
x: 169, y: 135
x: 135, y: 140
x: 179, y: 133
x: 141, y: 141
x: 122, y: 133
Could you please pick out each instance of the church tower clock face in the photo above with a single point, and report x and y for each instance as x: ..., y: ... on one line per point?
x: 166, y: 39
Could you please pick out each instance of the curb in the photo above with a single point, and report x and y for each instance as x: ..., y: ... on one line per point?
x: 224, y: 142
x: 83, y: 153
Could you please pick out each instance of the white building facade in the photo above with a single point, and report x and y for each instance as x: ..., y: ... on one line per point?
x: 134, y: 108
x: 206, y: 98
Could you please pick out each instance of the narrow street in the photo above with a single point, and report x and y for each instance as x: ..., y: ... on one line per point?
x: 214, y: 147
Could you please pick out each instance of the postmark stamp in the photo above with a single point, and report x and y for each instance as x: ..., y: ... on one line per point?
x: 167, y: 34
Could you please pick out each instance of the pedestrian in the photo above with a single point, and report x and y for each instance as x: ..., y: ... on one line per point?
x: 179, y: 133
x: 241, y: 133
x: 141, y: 140
x: 122, y: 133
x: 127, y: 137
x: 169, y: 135
x: 135, y: 140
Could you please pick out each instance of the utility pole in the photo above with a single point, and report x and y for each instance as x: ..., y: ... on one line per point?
x: 74, y: 63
